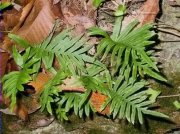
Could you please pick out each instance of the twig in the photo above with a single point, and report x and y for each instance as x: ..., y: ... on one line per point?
x: 168, y: 96
x: 170, y: 41
x: 169, y: 32
x: 170, y: 26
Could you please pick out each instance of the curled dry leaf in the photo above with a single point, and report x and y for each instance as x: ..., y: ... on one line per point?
x: 3, y: 60
x: 38, y: 20
x: 35, y: 23
x: 19, y: 109
x: 71, y: 84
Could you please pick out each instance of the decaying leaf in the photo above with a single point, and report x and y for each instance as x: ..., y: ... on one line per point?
x: 149, y: 11
x: 146, y: 14
x: 10, y: 19
x: 22, y: 108
x: 35, y: 22
x: 97, y: 100
x: 69, y: 84
x: 38, y: 20
x: 39, y: 82
x: 82, y: 16
x: 4, y: 56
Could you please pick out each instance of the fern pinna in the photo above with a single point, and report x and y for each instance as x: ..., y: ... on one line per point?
x: 127, y: 94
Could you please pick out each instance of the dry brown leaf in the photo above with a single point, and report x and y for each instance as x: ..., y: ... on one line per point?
x: 36, y: 21
x: 71, y: 84
x: 149, y: 11
x: 43, y: 78
x: 12, y: 66
x: 4, y: 56
x: 22, y: 108
x: 25, y: 12
x: 146, y: 14
x: 10, y: 19
x: 79, y: 14
x: 97, y: 101
x: 40, y: 81
x: 19, y: 109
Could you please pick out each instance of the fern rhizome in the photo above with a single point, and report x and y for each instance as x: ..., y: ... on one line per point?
x: 122, y: 80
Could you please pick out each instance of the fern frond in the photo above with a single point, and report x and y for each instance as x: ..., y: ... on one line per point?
x: 78, y: 102
x: 129, y: 101
x: 128, y: 49
x: 71, y: 52
x: 15, y: 80
x: 51, y: 89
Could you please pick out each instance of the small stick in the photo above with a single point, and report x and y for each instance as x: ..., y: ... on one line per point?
x: 169, y: 32
x: 168, y: 96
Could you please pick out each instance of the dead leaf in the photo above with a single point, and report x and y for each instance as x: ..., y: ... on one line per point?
x: 149, y: 11
x: 146, y: 14
x: 4, y: 56
x: 39, y: 82
x: 81, y: 15
x: 97, y: 100
x: 38, y: 23
x: 16, y: 6
x: 24, y: 15
x: 19, y: 109
x: 70, y: 84
x: 10, y: 19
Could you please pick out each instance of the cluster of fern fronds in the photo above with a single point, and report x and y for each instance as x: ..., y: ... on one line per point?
x: 122, y: 81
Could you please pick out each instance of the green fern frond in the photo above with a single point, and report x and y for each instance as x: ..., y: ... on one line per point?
x: 61, y: 114
x: 128, y: 49
x: 78, y: 102
x: 51, y: 89
x: 15, y: 80
x: 130, y: 101
x: 71, y: 52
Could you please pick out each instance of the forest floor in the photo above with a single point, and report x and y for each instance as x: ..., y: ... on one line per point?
x: 33, y: 20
